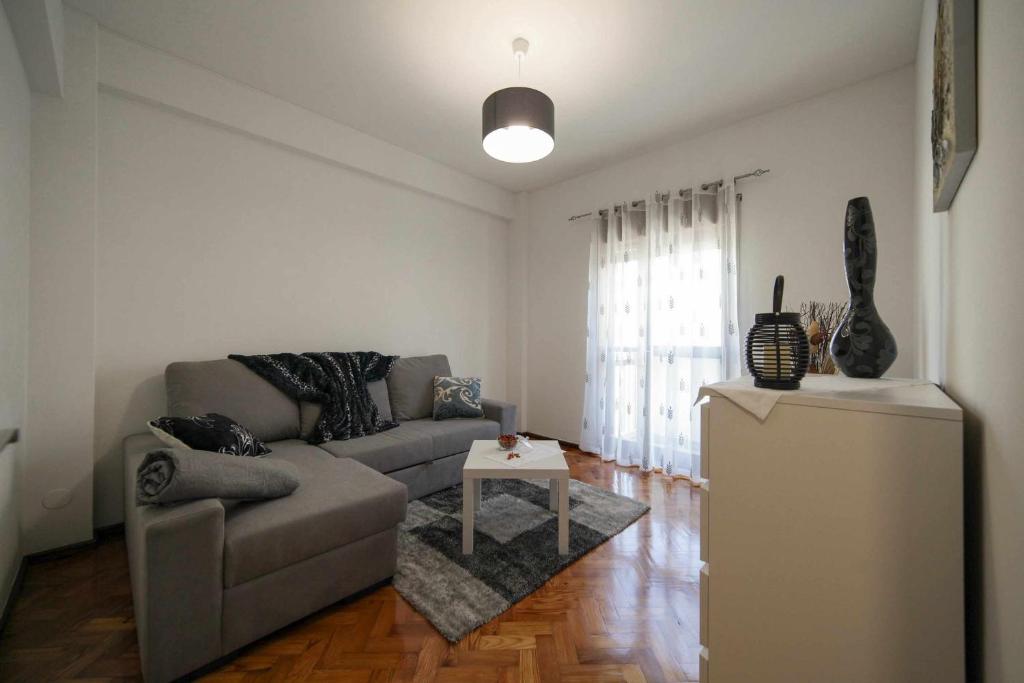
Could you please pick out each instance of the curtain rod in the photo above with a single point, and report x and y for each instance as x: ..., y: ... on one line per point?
x: 756, y: 173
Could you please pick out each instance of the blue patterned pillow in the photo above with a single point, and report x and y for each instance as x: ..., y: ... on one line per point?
x: 457, y: 397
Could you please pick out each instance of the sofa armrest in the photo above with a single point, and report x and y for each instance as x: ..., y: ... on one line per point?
x: 501, y: 412
x: 175, y: 555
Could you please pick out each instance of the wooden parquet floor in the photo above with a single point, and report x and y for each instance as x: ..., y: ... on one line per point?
x: 628, y: 611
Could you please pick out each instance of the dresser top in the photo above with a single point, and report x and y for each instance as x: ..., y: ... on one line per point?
x: 915, y: 398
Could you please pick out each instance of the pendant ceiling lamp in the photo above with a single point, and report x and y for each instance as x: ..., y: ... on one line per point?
x: 519, y: 123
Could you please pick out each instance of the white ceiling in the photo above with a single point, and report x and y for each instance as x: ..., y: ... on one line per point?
x: 624, y: 76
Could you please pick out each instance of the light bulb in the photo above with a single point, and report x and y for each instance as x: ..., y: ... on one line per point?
x: 518, y: 144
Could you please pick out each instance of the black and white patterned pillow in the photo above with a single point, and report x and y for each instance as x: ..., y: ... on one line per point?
x: 210, y: 432
x: 457, y: 397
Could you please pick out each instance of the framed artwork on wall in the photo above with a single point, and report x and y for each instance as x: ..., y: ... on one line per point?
x: 954, y: 99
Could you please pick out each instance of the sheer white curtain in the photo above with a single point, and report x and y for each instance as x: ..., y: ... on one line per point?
x: 661, y: 321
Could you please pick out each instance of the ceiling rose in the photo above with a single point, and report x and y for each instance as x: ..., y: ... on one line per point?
x: 518, y: 122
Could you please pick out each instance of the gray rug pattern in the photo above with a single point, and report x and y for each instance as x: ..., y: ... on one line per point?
x: 515, y: 539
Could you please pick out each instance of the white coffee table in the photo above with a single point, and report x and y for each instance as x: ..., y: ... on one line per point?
x: 545, y: 461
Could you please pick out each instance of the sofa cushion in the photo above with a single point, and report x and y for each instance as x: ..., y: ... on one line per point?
x: 457, y: 397
x: 309, y: 412
x: 411, y: 385
x: 338, y: 501
x: 379, y: 393
x: 227, y: 387
x: 455, y: 435
x: 395, y: 449
x: 210, y: 432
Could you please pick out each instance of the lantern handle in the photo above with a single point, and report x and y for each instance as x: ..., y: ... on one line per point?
x: 777, y: 295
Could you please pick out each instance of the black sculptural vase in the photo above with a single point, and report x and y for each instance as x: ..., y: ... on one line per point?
x: 862, y: 345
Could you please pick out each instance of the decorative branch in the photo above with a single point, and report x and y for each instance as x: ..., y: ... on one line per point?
x: 821, y: 319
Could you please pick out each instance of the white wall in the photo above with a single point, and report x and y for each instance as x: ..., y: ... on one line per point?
x: 57, y: 481
x: 15, y: 114
x: 38, y: 27
x: 517, y: 286
x: 821, y: 152
x: 180, y: 215
x: 213, y: 243
x: 972, y: 281
x: 932, y: 229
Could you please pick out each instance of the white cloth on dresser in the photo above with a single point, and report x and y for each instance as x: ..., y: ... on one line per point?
x: 760, y: 402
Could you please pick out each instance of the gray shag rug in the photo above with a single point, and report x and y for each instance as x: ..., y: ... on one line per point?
x: 515, y: 547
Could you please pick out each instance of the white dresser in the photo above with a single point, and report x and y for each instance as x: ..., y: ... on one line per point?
x: 832, y: 536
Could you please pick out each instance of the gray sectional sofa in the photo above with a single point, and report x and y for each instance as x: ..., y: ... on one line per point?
x: 209, y: 577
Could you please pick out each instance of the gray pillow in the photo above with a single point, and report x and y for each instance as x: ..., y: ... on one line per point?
x: 457, y: 397
x: 227, y: 387
x: 309, y: 412
x: 411, y: 385
x: 172, y: 475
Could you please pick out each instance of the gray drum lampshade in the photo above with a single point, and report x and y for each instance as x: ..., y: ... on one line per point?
x: 518, y: 125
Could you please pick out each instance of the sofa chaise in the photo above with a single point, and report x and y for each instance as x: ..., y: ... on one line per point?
x: 210, y: 576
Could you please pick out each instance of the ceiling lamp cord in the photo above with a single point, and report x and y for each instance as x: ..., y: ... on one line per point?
x: 520, y: 46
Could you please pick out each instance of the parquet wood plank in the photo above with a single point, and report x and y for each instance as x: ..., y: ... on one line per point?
x: 500, y: 658
x: 633, y: 674
x: 524, y: 628
x: 547, y: 659
x: 564, y: 646
x: 489, y: 674
x: 305, y: 664
x: 529, y: 670
x: 434, y: 651
x: 352, y: 676
x: 627, y: 611
x: 381, y: 676
x: 508, y: 643
x: 592, y: 673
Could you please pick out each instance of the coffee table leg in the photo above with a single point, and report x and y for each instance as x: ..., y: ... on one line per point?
x: 468, y: 496
x: 478, y: 488
x: 563, y: 517
x: 553, y: 496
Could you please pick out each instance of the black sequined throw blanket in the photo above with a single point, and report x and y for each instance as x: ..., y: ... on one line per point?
x: 337, y: 381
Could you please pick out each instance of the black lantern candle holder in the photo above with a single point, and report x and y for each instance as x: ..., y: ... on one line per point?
x: 778, y: 352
